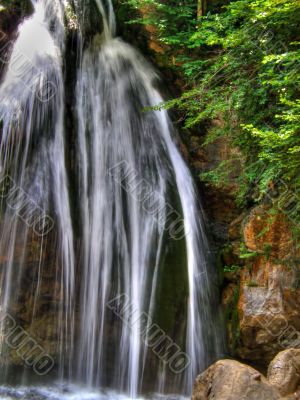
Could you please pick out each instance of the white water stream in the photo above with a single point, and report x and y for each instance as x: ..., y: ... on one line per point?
x: 138, y: 216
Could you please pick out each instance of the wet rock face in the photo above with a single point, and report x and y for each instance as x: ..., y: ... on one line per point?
x: 89, y: 19
x: 35, y: 298
x: 231, y: 380
x: 269, y: 298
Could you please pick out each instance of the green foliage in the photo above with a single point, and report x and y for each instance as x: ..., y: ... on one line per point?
x: 241, y: 64
x: 173, y: 22
x: 245, y: 253
x: 231, y: 268
x: 251, y: 78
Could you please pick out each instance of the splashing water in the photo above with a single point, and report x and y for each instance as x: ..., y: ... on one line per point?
x: 135, y: 307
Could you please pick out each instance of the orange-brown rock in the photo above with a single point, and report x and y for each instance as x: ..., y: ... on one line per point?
x: 231, y: 380
x: 269, y: 302
x: 154, y: 43
x: 284, y: 371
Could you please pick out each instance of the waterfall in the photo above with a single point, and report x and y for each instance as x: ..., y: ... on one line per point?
x: 32, y: 159
x: 135, y: 309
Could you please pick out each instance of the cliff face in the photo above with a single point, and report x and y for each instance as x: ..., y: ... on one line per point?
x: 36, y: 296
x: 264, y: 317
x: 260, y: 259
x: 258, y: 253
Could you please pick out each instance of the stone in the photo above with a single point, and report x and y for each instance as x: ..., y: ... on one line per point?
x: 284, y: 371
x: 269, y: 300
x: 231, y: 380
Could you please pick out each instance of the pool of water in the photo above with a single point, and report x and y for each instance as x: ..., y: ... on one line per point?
x: 70, y: 392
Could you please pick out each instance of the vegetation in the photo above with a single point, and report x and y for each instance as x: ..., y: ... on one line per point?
x: 240, y: 61
x: 231, y: 268
x: 232, y: 318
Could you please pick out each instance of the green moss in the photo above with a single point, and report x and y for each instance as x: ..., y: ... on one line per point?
x: 231, y: 268
x: 245, y: 253
x: 232, y: 319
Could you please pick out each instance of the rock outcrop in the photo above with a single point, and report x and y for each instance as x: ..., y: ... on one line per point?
x: 263, y: 294
x: 232, y: 380
x: 284, y: 372
x: 269, y: 302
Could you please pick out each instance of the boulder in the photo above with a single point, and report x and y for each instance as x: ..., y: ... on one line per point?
x: 231, y: 380
x: 284, y: 371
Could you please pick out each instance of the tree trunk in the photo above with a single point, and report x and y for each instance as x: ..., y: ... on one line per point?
x: 202, y: 8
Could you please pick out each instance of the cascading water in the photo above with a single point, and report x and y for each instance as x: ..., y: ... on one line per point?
x: 135, y: 307
x: 32, y: 160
